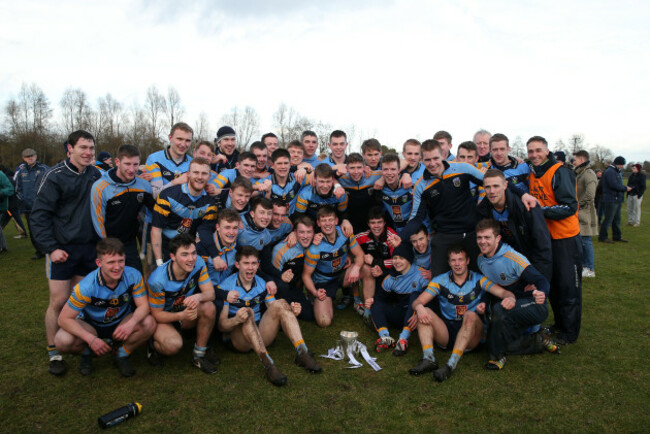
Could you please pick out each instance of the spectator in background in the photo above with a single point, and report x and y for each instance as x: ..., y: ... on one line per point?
x: 6, y: 190
x: 103, y: 161
x: 26, y: 182
x: 612, y: 201
x: 599, y: 195
x: 586, y: 182
x: 634, y: 196
x: 11, y: 212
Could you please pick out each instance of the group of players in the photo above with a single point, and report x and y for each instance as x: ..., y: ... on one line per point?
x: 462, y: 248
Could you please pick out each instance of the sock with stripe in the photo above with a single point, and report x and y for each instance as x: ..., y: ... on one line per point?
x: 52, y: 352
x: 383, y: 332
x: 199, y: 352
x: 300, y: 346
x: 406, y: 334
x: 123, y: 352
x: 427, y: 353
x: 455, y: 358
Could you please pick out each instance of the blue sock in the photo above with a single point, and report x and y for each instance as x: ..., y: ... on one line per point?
x: 199, y: 352
x: 454, y: 359
x: 383, y: 331
x: 357, y: 299
x: 121, y: 352
x: 428, y: 353
x: 366, y: 313
x: 406, y: 334
x: 86, y: 351
x: 52, y: 351
x: 301, y: 348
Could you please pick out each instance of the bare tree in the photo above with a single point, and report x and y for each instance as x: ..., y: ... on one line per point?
x: 283, y: 121
x: 576, y: 143
x: 245, y: 123
x: 517, y: 148
x: 75, y: 107
x: 201, y: 127
x: 175, y: 111
x: 601, y: 155
x: 155, y: 107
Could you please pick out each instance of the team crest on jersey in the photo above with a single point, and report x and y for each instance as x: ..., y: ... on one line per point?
x: 405, y: 199
x: 502, y: 276
x: 140, y: 197
x: 110, y: 313
x: 413, y: 284
x: 514, y: 180
x: 167, y: 174
x: 457, y: 182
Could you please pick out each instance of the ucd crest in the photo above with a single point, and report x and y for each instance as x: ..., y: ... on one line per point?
x: 456, y: 182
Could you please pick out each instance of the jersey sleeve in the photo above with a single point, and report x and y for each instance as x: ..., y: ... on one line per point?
x: 161, y: 211
x: 78, y: 300
x: 312, y: 256
x: 156, y: 293
x: 98, y: 206
x: 486, y: 284
x: 301, y: 201
x: 433, y: 288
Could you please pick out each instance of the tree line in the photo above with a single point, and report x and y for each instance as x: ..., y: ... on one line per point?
x: 29, y: 121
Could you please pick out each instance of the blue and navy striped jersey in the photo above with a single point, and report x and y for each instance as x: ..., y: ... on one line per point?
x: 168, y: 293
x: 456, y: 300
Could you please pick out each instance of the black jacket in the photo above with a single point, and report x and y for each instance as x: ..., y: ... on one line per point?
x: 637, y: 182
x: 527, y: 230
x: 61, y: 211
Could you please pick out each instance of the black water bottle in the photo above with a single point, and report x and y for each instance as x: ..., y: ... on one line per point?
x: 120, y: 415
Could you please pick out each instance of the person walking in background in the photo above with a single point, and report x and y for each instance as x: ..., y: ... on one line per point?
x: 27, y: 177
x: 612, y: 201
x: 586, y: 181
x: 636, y: 182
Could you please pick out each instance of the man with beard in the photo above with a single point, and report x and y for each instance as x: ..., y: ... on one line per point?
x: 181, y: 209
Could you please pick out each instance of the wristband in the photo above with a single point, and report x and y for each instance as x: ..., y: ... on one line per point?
x: 159, y: 262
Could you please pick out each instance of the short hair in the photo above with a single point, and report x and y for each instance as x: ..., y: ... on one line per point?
x: 242, y: 182
x: 442, y: 135
x: 430, y: 145
x: 229, y: 215
x: 537, y: 139
x: 354, y: 157
x: 74, y: 137
x: 247, y: 155
x: 338, y: 133
x: 279, y: 153
x: 324, y: 170
x: 488, y: 224
x: 266, y: 136
x: 481, y: 132
x: 245, y: 251
x: 326, y: 211
x: 257, y: 145
x: 370, y: 145
x: 390, y: 157
x: 296, y: 144
x: 469, y: 146
x: 303, y: 219
x: 109, y: 246
x: 183, y: 127
x: 411, y: 142
x: 376, y: 212
x: 498, y: 137
x: 279, y: 202
x: 582, y: 154
x: 127, y: 151
x: 200, y: 161
x: 422, y: 228
x: 204, y: 143
x: 456, y: 248
x: 262, y: 201
x: 494, y: 173
x: 180, y: 240
x: 307, y: 133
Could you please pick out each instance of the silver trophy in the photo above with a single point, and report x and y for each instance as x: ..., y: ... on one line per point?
x: 349, y: 344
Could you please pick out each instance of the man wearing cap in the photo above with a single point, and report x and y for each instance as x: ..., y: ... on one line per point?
x: 227, y: 153
x: 554, y: 185
x: 104, y: 162
x: 26, y: 177
x: 634, y: 196
x: 612, y: 201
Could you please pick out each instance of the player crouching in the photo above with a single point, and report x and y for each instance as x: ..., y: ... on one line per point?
x: 100, y: 307
x: 180, y: 296
x: 248, y: 327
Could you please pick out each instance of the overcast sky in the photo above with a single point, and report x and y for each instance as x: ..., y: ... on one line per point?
x: 394, y: 69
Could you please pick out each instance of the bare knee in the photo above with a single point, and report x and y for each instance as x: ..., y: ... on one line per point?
x: 67, y: 343
x: 323, y: 321
x: 208, y: 310
x: 170, y: 345
x: 148, y: 325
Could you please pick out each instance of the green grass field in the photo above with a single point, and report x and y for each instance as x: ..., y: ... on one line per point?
x: 599, y: 384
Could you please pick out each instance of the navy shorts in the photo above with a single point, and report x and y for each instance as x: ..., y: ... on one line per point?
x: 453, y: 327
x: 103, y: 331
x: 81, y: 261
x: 331, y: 287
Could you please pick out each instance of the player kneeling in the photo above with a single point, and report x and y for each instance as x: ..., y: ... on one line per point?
x: 248, y: 328
x: 180, y: 296
x: 100, y: 307
x: 460, y: 292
